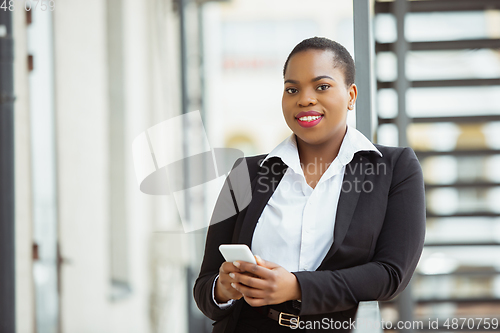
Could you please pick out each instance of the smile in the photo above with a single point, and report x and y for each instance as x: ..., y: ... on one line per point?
x: 309, y: 118
x: 309, y: 121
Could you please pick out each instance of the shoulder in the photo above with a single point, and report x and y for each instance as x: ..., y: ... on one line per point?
x: 250, y: 161
x: 400, y: 162
x: 273, y: 165
x: 255, y: 159
x: 397, y: 155
x: 403, y: 163
x: 247, y: 165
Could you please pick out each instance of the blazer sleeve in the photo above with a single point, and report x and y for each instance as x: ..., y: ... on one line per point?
x: 397, y: 251
x: 220, y: 233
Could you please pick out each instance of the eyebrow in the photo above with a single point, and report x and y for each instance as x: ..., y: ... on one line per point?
x: 317, y: 78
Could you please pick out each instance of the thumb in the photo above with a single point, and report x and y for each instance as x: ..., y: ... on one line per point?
x: 265, y: 263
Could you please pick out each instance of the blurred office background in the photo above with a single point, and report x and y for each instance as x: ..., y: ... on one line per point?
x: 95, y: 254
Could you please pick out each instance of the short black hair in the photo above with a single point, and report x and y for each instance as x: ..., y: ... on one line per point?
x: 341, y: 57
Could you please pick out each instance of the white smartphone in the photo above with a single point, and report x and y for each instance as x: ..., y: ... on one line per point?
x: 233, y: 252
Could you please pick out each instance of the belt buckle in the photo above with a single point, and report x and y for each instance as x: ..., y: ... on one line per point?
x: 289, y: 320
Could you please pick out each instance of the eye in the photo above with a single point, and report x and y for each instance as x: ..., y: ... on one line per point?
x: 291, y: 90
x: 323, y: 87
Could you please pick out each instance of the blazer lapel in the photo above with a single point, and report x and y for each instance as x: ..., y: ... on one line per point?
x: 348, y: 200
x: 265, y: 183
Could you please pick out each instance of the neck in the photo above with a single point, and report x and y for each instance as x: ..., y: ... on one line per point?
x: 320, y: 155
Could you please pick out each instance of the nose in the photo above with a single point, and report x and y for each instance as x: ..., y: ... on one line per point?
x: 307, y: 99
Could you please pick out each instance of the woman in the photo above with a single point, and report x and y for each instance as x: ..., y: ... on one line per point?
x: 333, y: 219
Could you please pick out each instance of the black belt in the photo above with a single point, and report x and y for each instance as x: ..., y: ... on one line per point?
x: 284, y: 319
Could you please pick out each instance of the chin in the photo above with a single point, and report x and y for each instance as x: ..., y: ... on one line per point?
x: 312, y: 138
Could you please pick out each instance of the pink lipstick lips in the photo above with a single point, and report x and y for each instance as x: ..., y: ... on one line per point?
x: 309, y: 118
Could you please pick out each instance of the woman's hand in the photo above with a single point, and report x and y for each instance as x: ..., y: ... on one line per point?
x: 270, y: 283
x: 223, y: 289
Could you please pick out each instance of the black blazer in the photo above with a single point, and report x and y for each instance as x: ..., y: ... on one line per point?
x: 378, y: 237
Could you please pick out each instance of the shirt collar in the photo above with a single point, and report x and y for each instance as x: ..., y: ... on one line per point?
x: 354, y: 141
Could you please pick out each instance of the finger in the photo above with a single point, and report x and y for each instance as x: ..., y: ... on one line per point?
x: 253, y: 282
x: 228, y: 291
x: 247, y: 291
x: 259, y: 260
x: 234, y: 294
x: 260, y: 271
x: 255, y: 302
x: 250, y: 274
x: 227, y: 279
x: 228, y: 267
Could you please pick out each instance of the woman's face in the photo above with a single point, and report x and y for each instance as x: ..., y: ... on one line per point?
x: 316, y: 99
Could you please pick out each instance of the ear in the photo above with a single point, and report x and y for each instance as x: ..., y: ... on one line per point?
x: 353, y: 94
